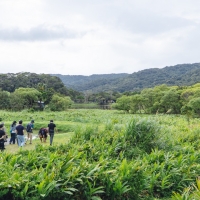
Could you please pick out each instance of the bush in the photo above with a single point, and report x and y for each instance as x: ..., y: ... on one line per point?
x: 141, y: 133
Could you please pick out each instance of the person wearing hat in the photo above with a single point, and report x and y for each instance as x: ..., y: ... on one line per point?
x: 51, y: 129
x: 29, y: 129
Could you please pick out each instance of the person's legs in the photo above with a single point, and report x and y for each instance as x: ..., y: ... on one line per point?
x: 16, y: 138
x: 2, y: 145
x: 51, y: 138
x: 12, y: 139
x: 22, y: 141
x: 41, y: 138
x: 45, y: 137
x: 27, y: 138
x: 19, y: 140
x: 30, y: 136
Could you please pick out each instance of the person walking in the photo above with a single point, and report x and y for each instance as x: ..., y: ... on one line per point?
x: 2, y: 137
x: 29, y: 129
x: 13, y: 132
x: 51, y: 130
x: 20, y: 134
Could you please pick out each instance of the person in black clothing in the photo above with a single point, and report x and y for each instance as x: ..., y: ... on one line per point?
x: 13, y: 132
x: 2, y: 137
x: 4, y: 129
x: 20, y: 134
x: 51, y: 129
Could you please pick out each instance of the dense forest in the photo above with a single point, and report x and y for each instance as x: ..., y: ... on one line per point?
x: 34, y: 91
x: 10, y: 82
x: 180, y: 75
x: 142, y: 89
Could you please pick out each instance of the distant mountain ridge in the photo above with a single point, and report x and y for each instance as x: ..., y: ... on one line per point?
x: 181, y: 75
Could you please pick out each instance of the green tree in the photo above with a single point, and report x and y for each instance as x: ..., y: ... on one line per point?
x: 195, y: 105
x: 46, y: 93
x: 170, y: 102
x: 4, y: 100
x: 137, y: 103
x: 59, y: 103
x: 16, y: 102
x: 28, y: 96
x: 123, y: 103
x: 187, y: 110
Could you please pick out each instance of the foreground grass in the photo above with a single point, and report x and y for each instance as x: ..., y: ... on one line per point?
x: 108, y: 157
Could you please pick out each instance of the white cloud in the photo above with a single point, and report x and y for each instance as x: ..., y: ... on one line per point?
x: 96, y: 37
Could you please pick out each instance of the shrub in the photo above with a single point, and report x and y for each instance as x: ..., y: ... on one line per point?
x: 141, y: 133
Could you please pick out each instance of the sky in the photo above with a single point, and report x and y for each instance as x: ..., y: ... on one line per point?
x: 85, y: 37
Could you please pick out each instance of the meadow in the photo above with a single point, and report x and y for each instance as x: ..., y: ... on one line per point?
x: 104, y: 154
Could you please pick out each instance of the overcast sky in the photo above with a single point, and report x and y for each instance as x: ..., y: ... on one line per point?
x: 84, y: 37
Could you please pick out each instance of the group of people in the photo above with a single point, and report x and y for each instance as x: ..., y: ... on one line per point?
x: 17, y: 132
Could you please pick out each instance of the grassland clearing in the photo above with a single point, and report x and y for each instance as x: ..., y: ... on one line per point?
x: 105, y: 154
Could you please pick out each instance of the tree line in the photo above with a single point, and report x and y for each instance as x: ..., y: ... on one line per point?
x: 33, y: 99
x: 33, y: 91
x: 163, y: 99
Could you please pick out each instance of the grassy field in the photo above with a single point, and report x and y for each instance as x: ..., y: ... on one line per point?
x: 104, y: 154
x: 66, y: 122
x: 59, y: 138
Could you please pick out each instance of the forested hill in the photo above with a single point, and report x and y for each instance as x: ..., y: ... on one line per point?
x: 9, y: 82
x: 181, y: 75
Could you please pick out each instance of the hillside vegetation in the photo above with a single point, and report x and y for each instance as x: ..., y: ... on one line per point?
x: 180, y: 75
x: 10, y: 82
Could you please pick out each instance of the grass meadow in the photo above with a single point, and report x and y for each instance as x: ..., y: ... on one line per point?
x: 104, y: 154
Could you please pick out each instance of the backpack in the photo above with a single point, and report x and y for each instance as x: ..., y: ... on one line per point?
x: 28, y: 128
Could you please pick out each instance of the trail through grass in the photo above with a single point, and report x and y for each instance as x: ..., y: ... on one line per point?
x: 60, y: 138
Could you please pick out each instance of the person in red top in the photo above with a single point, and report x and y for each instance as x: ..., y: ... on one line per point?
x: 51, y: 130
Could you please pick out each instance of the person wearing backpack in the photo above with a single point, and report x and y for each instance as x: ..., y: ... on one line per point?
x: 29, y: 130
x: 13, y: 132
x: 51, y: 129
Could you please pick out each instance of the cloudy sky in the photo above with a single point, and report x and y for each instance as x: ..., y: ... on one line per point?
x: 84, y: 37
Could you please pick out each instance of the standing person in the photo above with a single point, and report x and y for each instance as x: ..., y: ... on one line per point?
x: 20, y: 134
x: 51, y: 129
x: 13, y: 132
x: 4, y: 129
x: 2, y: 137
x: 29, y: 129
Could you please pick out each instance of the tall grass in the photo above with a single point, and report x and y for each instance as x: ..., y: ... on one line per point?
x: 109, y: 155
